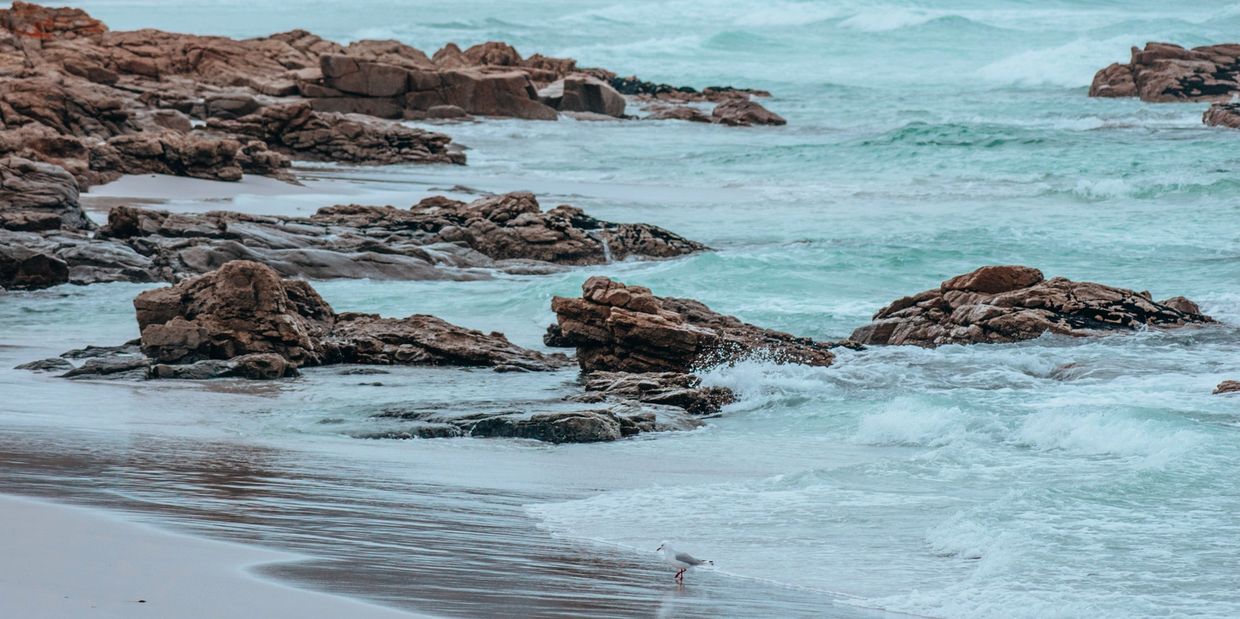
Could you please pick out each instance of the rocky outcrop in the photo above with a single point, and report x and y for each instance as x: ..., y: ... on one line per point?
x: 640, y: 88
x: 615, y: 327
x: 38, y: 22
x: 246, y: 308
x: 297, y: 130
x: 1165, y: 72
x: 44, y: 230
x: 38, y: 196
x: 997, y: 304
x: 257, y: 366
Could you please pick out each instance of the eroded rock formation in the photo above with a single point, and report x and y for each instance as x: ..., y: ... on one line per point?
x: 1167, y: 72
x: 1012, y: 303
x: 615, y: 327
x: 245, y: 308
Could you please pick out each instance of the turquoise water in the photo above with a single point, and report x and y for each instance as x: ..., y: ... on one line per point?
x: 1053, y: 478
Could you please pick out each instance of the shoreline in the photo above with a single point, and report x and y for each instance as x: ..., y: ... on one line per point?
x: 135, y: 570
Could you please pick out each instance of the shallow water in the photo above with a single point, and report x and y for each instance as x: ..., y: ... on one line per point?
x: 1076, y: 478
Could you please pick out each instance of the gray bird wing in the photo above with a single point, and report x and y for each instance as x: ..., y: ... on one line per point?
x: 685, y: 557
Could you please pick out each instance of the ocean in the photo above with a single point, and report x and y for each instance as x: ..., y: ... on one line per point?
x: 1052, y: 478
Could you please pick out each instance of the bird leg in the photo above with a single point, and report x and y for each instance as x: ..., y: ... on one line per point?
x: 680, y: 576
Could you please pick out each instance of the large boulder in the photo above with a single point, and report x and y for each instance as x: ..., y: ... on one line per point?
x: 1012, y: 303
x: 38, y: 196
x: 245, y: 308
x: 1166, y: 72
x: 615, y: 327
x: 242, y: 308
x: 1222, y: 115
x: 583, y: 93
x: 23, y: 268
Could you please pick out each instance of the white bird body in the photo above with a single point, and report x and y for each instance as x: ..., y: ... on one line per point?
x: 682, y: 561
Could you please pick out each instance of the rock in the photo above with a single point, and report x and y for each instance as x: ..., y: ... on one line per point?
x: 119, y: 367
x: 743, y: 113
x: 571, y: 426
x: 27, y: 269
x: 230, y: 105
x: 1227, y: 386
x: 38, y: 196
x: 1222, y: 115
x: 174, y: 153
x: 427, y: 340
x: 1012, y: 303
x: 582, y: 93
x: 43, y: 23
x: 298, y: 130
x: 54, y: 364
x: 245, y: 308
x: 679, y: 112
x: 626, y: 328
x: 258, y: 366
x: 1165, y: 72
x: 478, y: 92
x: 390, y: 52
x: 446, y: 111
x: 633, y: 86
x: 242, y: 308
x: 663, y: 388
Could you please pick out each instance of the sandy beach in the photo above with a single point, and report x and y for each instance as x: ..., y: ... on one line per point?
x: 69, y: 562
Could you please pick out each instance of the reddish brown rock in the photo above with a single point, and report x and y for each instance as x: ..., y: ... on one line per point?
x: 300, y: 131
x: 582, y: 93
x: 1165, y: 72
x: 38, y: 22
x: 23, y: 268
x: 1227, y: 386
x: 662, y: 388
x: 1222, y: 115
x: 615, y: 327
x: 38, y: 196
x: 1011, y: 303
x: 181, y: 154
x: 743, y: 113
x: 245, y: 308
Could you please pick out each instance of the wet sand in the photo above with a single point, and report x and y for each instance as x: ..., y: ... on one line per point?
x: 60, y: 561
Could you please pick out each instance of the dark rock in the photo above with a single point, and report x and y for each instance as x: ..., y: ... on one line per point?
x: 22, y: 268
x: 582, y: 93
x: 259, y: 366
x: 115, y: 367
x: 1012, y: 303
x: 626, y: 328
x: 54, y: 364
x: 664, y: 388
x: 573, y: 426
x: 230, y: 105
x: 38, y: 196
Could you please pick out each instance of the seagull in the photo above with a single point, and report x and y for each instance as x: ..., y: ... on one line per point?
x: 682, y: 561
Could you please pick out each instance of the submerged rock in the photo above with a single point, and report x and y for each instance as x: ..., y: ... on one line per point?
x: 615, y: 327
x: 1012, y: 303
x: 257, y: 366
x: 664, y: 388
x: 743, y: 113
x: 571, y: 426
x: 1222, y: 115
x: 245, y: 308
x: 1166, y: 72
x: 1227, y: 386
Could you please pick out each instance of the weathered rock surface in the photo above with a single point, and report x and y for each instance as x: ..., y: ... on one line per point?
x: 1012, y: 303
x: 558, y: 426
x: 256, y: 366
x: 436, y: 239
x: 296, y: 129
x: 583, y: 93
x: 663, y: 388
x: 1165, y: 72
x: 245, y: 308
x: 615, y: 327
x: 1222, y: 115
